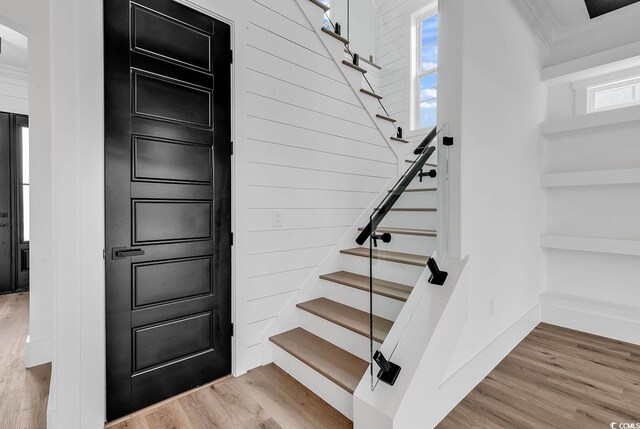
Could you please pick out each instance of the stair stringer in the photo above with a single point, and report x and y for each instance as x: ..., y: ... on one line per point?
x: 397, y: 148
x: 426, y: 334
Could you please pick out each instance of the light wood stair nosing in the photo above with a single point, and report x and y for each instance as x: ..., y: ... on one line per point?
x: 336, y: 364
x: 413, y: 209
x: 398, y: 139
x: 428, y: 164
x: 335, y: 35
x: 353, y: 66
x: 418, y: 190
x: 348, y: 317
x: 320, y: 5
x: 406, y: 231
x: 386, y: 118
x: 381, y: 287
x: 371, y: 93
x: 386, y: 255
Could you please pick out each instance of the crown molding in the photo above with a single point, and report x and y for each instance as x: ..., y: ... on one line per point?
x: 538, y: 13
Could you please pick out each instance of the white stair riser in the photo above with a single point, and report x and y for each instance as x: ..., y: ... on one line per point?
x: 350, y: 341
x: 330, y: 392
x: 387, y: 127
x: 353, y: 76
x: 419, y: 220
x: 418, y: 245
x: 388, y: 308
x: 399, y: 273
x: 417, y: 199
x: 427, y: 182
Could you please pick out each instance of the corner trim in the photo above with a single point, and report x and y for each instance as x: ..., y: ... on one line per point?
x: 37, y: 352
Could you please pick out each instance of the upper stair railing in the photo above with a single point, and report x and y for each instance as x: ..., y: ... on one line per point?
x: 339, y: 19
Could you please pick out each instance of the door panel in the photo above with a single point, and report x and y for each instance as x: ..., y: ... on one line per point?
x: 163, y: 281
x: 167, y: 144
x: 158, y: 344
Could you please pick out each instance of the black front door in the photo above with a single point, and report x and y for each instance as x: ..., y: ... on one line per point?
x: 168, y: 190
x: 14, y: 203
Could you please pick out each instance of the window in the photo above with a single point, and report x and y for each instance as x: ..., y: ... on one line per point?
x: 614, y: 95
x: 327, y: 15
x: 425, y: 85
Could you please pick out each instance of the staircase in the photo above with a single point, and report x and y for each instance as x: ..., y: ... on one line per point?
x: 330, y: 350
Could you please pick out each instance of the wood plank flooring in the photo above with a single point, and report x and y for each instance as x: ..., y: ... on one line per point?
x: 556, y: 378
x: 264, y: 398
x: 23, y: 392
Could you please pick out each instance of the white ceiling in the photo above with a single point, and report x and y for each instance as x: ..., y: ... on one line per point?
x: 563, y: 21
x: 14, y: 48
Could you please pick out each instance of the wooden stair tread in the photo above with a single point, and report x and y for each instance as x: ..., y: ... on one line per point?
x: 380, y: 287
x: 348, y: 317
x: 386, y: 118
x: 338, y: 365
x: 320, y: 5
x: 413, y: 209
x: 353, y: 66
x: 426, y: 163
x: 386, y: 255
x: 335, y: 35
x: 406, y: 231
x: 398, y: 139
x: 371, y: 93
x: 418, y: 190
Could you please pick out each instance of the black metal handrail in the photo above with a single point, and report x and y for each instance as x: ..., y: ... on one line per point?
x: 389, y: 201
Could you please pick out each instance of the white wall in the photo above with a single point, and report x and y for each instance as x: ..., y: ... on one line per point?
x: 20, y: 16
x: 594, y: 289
x: 14, y: 90
x: 312, y: 155
x: 502, y: 205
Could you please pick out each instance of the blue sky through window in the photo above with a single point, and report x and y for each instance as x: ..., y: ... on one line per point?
x: 428, y: 83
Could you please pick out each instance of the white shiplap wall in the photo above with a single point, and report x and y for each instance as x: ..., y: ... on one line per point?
x: 14, y: 93
x: 313, y: 157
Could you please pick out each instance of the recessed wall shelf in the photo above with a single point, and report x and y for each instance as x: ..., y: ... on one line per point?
x: 591, y: 244
x: 591, y: 178
x: 591, y: 120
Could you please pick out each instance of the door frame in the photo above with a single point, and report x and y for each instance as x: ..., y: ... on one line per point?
x: 75, y: 48
x: 237, y: 111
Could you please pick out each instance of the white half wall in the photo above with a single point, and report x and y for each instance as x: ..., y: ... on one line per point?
x: 502, y: 204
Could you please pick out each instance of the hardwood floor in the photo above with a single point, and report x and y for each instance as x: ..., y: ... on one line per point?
x: 264, y: 398
x: 556, y: 378
x: 23, y: 392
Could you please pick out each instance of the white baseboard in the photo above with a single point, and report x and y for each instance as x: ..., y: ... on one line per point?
x: 617, y: 321
x: 457, y: 385
x: 37, y: 352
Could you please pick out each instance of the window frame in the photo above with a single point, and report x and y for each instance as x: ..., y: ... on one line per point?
x: 416, y: 63
x: 593, y: 90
